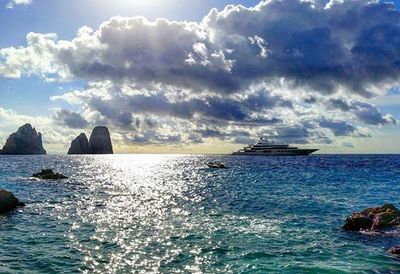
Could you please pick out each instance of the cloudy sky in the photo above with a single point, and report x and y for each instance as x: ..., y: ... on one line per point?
x: 203, y: 75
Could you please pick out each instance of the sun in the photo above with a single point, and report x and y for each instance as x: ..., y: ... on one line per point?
x: 148, y: 8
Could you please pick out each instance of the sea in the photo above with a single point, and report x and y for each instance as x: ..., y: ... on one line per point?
x: 173, y: 214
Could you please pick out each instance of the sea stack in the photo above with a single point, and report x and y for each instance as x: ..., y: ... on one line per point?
x: 80, y: 145
x: 100, y: 141
x: 25, y: 141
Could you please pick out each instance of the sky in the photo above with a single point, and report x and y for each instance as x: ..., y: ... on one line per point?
x: 203, y: 76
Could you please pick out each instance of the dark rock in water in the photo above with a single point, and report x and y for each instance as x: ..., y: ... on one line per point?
x: 375, y: 218
x: 8, y: 201
x: 357, y: 222
x: 24, y: 142
x: 80, y: 145
x: 215, y: 165
x: 394, y: 251
x: 100, y: 141
x: 48, y: 174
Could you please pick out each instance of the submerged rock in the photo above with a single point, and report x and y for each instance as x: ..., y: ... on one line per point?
x: 80, y: 145
x: 8, y: 201
x: 375, y: 218
x: 24, y: 142
x: 215, y: 165
x: 48, y: 174
x: 100, y: 141
x: 394, y: 251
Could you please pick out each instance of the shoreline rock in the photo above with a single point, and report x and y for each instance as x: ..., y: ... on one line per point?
x: 8, y: 201
x: 26, y: 141
x: 377, y: 221
x: 48, y: 174
x: 373, y: 219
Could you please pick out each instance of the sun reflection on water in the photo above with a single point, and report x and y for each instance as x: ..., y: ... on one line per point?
x: 171, y: 214
x: 143, y: 212
x: 137, y: 209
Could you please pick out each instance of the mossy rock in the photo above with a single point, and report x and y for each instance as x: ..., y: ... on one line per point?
x: 8, y: 201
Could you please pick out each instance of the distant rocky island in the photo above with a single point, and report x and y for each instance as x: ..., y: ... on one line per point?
x: 80, y: 145
x: 25, y: 141
x: 99, y: 143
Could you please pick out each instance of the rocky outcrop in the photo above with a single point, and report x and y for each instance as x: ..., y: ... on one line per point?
x: 373, y: 219
x: 100, y: 141
x: 377, y: 221
x: 48, y: 174
x: 23, y: 142
x: 8, y: 201
x: 80, y: 145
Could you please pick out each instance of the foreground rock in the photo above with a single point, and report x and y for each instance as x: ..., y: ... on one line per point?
x: 8, y: 201
x: 80, y: 145
x: 377, y: 218
x: 24, y: 142
x: 48, y: 174
x: 100, y: 141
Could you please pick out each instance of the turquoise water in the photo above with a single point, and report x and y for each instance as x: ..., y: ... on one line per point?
x: 171, y: 214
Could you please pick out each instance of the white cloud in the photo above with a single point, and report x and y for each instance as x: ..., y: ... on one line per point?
x: 276, y: 68
x: 14, y: 3
x: 313, y: 47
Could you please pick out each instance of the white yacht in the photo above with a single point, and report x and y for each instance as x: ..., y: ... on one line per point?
x: 267, y: 148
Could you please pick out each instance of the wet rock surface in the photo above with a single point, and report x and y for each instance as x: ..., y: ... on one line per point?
x: 377, y: 221
x: 376, y: 218
x: 25, y: 141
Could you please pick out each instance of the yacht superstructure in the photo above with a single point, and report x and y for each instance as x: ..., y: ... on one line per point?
x: 267, y: 148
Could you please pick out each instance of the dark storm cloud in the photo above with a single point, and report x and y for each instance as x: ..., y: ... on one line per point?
x: 211, y: 107
x: 70, y: 118
x: 153, y: 137
x: 365, y: 112
x: 296, y: 134
x: 338, y: 128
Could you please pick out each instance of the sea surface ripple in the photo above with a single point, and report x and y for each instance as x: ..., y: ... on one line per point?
x: 172, y: 214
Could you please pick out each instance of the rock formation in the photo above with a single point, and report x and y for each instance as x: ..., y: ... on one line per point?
x: 48, y: 174
x: 373, y: 219
x: 8, y: 201
x: 100, y: 141
x: 80, y: 145
x: 377, y: 221
x: 23, y: 142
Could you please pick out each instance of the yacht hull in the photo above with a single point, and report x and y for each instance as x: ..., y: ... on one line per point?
x: 297, y: 152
